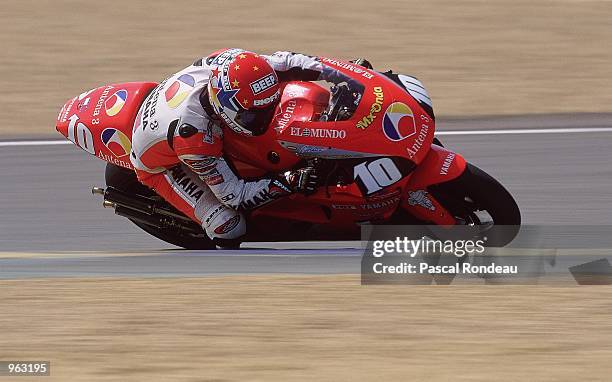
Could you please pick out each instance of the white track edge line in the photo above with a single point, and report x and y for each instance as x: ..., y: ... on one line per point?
x: 568, y: 130
x: 33, y: 143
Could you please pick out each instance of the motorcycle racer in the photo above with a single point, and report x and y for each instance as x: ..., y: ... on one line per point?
x: 177, y: 142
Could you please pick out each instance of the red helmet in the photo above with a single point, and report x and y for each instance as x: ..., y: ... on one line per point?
x: 243, y: 90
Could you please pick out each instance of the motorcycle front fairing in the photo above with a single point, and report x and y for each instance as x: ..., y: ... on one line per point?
x: 386, y: 143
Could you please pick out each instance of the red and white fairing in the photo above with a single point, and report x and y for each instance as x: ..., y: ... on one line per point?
x: 100, y: 120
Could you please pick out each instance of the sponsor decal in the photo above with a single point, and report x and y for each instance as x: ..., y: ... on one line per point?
x: 59, y: 115
x: 344, y: 206
x: 344, y: 65
x: 208, y: 133
x: 275, y: 190
x: 318, y: 133
x: 115, y: 103
x: 264, y: 83
x: 178, y: 91
x: 227, y: 120
x: 284, y: 117
x: 420, y: 139
x: 200, y: 166
x: 84, y: 105
x: 199, y: 162
x: 213, y: 177
x: 63, y: 114
x: 447, y: 163
x: 366, y: 209
x: 228, y: 197
x: 224, y: 56
x: 220, y: 208
x: 116, y: 142
x: 392, y: 202
x: 383, y: 196
x: 398, y: 122
x: 419, y: 198
x: 268, y: 100
x: 374, y: 109
x: 310, y: 150
x: 323, y: 152
x: 63, y: 117
x: 151, y: 106
x: 101, y: 100
x: 114, y: 160
x: 189, y: 187
x: 228, y: 225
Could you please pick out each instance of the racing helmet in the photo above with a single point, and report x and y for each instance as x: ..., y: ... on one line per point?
x: 243, y: 91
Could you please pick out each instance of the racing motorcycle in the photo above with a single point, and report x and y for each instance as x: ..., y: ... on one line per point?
x: 374, y: 150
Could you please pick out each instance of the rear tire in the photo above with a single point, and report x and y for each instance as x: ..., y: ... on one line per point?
x: 186, y: 241
x: 126, y: 181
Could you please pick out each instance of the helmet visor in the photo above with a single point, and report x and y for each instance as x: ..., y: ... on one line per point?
x: 256, y: 120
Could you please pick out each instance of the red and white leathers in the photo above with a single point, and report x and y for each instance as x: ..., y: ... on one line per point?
x: 177, y: 149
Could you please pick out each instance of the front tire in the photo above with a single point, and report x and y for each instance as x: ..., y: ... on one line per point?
x: 474, y: 195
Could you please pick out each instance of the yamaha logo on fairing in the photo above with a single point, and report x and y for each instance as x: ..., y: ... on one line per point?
x: 318, y: 133
x: 263, y: 84
x: 447, y: 163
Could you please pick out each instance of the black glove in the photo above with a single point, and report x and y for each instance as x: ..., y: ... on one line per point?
x: 337, y: 77
x: 303, y: 180
x: 362, y: 62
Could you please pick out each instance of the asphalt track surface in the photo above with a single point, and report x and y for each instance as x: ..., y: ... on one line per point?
x: 558, y: 177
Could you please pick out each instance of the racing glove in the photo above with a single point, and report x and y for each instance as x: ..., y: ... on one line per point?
x: 362, y: 62
x: 303, y: 180
x: 336, y: 77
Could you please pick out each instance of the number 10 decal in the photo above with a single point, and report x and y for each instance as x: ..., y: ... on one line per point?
x: 80, y: 134
x: 374, y: 176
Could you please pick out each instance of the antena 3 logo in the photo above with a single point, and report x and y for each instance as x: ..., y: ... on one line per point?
x: 263, y: 84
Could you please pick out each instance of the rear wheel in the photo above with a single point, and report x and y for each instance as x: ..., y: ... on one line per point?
x: 475, y: 198
x: 126, y: 181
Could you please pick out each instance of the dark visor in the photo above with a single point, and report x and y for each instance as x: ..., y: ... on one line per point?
x: 256, y: 120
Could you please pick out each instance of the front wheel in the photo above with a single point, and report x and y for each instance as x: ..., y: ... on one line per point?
x: 475, y: 198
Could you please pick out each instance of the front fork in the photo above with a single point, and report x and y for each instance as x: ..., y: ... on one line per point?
x: 439, y: 166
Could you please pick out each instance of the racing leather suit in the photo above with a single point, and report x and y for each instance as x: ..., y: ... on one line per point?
x: 177, y: 148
